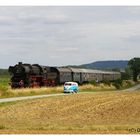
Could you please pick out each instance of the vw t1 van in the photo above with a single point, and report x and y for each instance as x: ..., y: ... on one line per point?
x: 70, y: 87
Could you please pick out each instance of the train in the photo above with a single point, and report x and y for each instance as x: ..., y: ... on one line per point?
x: 35, y: 75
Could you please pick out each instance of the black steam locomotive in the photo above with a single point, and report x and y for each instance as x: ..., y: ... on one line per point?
x: 27, y: 75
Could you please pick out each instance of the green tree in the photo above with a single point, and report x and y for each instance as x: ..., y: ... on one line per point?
x: 127, y: 74
x: 134, y: 65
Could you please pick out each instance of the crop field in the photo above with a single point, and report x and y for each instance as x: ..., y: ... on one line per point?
x: 107, y: 112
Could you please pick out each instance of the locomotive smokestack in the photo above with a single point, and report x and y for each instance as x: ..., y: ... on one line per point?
x: 20, y: 63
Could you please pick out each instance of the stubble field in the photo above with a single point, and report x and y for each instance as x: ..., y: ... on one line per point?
x: 102, y: 112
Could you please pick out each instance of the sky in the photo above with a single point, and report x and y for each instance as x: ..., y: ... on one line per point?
x: 64, y: 35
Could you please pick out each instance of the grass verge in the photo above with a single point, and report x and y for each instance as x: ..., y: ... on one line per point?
x: 6, y: 91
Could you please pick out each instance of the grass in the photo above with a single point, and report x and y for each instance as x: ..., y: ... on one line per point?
x: 6, y: 91
x: 98, y: 113
x: 34, y: 91
x: 4, y: 80
x: 98, y: 87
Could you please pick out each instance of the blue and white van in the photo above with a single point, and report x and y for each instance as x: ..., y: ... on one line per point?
x: 70, y: 87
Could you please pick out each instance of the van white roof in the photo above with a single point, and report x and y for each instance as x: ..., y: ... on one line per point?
x: 70, y: 82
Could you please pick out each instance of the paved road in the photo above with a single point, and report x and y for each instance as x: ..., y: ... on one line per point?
x: 133, y: 88
x: 29, y: 97
x: 51, y: 95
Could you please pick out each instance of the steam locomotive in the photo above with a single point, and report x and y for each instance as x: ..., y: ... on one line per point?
x: 27, y: 75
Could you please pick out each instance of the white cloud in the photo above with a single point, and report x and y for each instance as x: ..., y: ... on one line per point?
x: 68, y: 35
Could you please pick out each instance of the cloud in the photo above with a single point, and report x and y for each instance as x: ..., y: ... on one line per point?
x: 68, y: 35
x: 135, y: 39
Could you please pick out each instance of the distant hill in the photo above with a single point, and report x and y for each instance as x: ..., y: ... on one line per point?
x: 116, y: 64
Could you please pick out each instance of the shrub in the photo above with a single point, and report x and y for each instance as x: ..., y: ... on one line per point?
x: 106, y: 82
x: 118, y: 83
x: 93, y: 82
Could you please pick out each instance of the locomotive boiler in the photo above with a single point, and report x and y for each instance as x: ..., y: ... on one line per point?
x: 27, y: 75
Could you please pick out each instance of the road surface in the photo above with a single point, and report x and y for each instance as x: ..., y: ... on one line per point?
x: 29, y: 97
x: 51, y: 95
x: 133, y: 88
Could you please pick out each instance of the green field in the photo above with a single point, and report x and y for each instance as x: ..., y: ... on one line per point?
x: 4, y: 84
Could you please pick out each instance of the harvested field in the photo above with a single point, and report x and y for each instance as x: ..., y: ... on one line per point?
x: 109, y: 112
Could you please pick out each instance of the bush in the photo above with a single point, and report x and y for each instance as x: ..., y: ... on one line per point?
x: 118, y: 83
x: 93, y: 82
x: 106, y: 82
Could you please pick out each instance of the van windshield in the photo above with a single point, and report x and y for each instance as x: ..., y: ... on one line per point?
x: 67, y: 84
